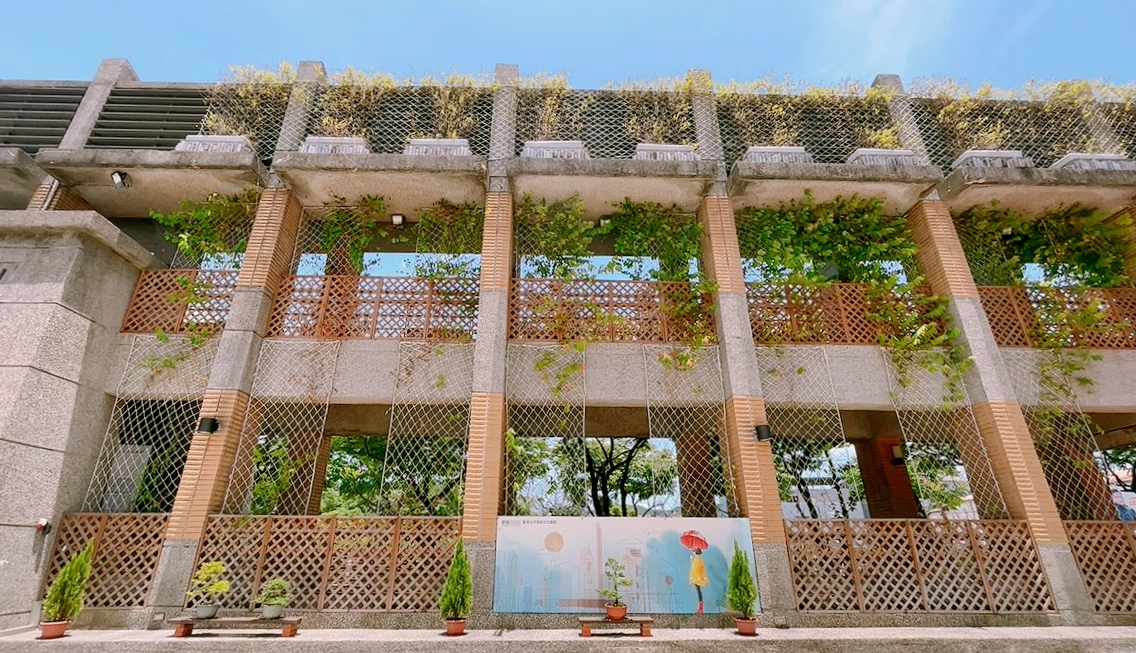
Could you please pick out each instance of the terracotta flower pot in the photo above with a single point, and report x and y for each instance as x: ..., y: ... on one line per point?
x: 52, y: 629
x: 747, y: 627
x: 616, y: 612
x: 455, y: 627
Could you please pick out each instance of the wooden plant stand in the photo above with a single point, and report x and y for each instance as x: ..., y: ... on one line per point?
x: 644, y: 623
x: 183, y: 626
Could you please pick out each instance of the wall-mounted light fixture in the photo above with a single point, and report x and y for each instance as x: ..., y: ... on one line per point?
x: 897, y: 455
x: 397, y: 219
x: 121, y: 179
x: 762, y: 433
x: 603, y: 222
x: 207, y: 425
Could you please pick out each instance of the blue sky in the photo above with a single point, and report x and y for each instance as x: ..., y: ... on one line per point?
x: 1004, y: 41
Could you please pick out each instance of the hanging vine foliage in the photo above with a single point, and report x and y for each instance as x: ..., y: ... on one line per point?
x: 451, y: 234
x: 216, y: 227
x: 553, y: 238
x: 804, y: 246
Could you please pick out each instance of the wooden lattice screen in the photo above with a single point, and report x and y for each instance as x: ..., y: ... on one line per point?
x: 1012, y: 316
x: 160, y: 300
x: 913, y: 565
x: 397, y: 308
x: 835, y: 314
x: 372, y: 564
x: 1106, y: 555
x: 127, y: 547
x: 551, y: 310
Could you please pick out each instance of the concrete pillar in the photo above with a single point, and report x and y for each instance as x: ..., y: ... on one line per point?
x: 310, y: 76
x: 111, y: 72
x: 68, y: 278
x: 755, y: 479
x: 1002, y: 425
x: 900, y: 109
x: 503, y: 130
x: 210, y: 461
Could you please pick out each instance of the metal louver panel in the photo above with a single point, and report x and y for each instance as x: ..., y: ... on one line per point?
x: 33, y: 118
x: 148, y: 118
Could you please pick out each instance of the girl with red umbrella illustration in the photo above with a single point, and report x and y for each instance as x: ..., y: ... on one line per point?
x: 694, y: 541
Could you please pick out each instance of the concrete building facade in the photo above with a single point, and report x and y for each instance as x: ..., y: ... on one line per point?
x: 177, y: 410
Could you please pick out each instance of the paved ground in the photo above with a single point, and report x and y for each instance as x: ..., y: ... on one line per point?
x: 821, y: 640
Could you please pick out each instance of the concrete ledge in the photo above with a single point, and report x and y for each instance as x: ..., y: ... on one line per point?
x: 763, y: 184
x: 1035, y: 190
x: 19, y: 177
x: 160, y: 180
x: 908, y: 640
x: 409, y: 183
x: 603, y: 183
x: 83, y: 223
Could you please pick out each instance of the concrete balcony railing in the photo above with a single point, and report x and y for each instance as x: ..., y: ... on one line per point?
x: 172, y: 300
x: 836, y: 314
x: 1014, y: 314
x: 380, y: 308
x: 550, y: 310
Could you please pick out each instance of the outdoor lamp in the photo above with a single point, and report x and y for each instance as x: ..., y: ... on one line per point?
x: 397, y: 219
x: 207, y: 425
x: 762, y: 433
x: 121, y: 179
x: 897, y: 454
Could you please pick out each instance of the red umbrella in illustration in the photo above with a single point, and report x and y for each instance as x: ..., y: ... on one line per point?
x: 694, y: 541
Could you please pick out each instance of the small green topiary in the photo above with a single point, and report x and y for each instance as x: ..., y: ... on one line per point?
x: 741, y: 593
x: 64, y: 600
x: 457, y: 595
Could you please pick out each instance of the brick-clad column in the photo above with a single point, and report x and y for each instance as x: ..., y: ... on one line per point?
x: 210, y: 460
x: 53, y: 196
x: 755, y: 480
x: 487, y: 410
x: 1001, y: 423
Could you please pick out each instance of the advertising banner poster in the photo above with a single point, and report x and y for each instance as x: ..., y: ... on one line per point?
x: 556, y: 564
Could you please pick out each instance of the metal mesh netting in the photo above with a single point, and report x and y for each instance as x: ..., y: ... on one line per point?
x: 424, y: 465
x: 685, y: 413
x: 545, y: 469
x: 1044, y: 123
x: 609, y: 123
x: 282, y: 446
x: 830, y: 124
x: 1062, y: 435
x: 816, y: 467
x: 375, y: 114
x: 251, y: 103
x: 945, y: 456
x: 228, y: 225
x: 1119, y: 109
x: 155, y: 414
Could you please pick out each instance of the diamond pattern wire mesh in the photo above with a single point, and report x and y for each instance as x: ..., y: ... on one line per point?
x: 160, y: 301
x: 916, y: 566
x: 1106, y: 556
x: 945, y: 453
x: 812, y: 456
x: 545, y: 470
x: 1062, y: 436
x: 424, y: 465
x: 1043, y: 123
x: 368, y: 564
x: 829, y: 123
x: 685, y: 411
x: 1119, y: 109
x: 152, y: 422
x: 125, y: 559
x: 251, y: 104
x: 386, y: 114
x: 610, y: 123
x: 282, y: 448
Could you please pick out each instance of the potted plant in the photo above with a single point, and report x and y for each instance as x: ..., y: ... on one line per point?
x: 64, y: 600
x: 457, y: 594
x: 273, y: 597
x: 615, y: 607
x: 741, y: 593
x: 208, y: 584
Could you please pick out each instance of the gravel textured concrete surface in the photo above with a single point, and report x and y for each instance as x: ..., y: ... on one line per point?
x: 826, y: 640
